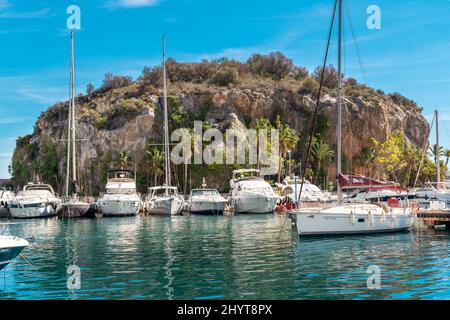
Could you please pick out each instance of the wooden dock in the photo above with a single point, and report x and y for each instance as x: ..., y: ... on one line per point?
x: 433, y: 218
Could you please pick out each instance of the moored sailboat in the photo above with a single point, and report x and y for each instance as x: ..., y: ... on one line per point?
x: 164, y: 200
x: 73, y: 205
x: 353, y: 218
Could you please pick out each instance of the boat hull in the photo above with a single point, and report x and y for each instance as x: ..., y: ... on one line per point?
x: 207, y: 208
x: 254, y: 204
x: 76, y: 210
x: 11, y: 248
x: 164, y: 206
x: 37, y: 210
x: 362, y: 221
x: 118, y: 207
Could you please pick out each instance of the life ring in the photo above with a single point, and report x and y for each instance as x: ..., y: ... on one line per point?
x: 415, y: 207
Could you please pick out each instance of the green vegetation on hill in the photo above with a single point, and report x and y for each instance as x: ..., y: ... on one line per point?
x: 119, y: 100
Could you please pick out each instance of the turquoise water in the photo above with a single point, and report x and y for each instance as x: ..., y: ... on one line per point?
x: 241, y: 257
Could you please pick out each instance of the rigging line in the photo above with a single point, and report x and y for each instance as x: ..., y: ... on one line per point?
x: 313, y: 124
x: 424, y: 153
x: 358, y: 50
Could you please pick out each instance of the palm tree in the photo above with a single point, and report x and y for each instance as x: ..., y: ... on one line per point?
x: 435, y: 152
x: 262, y: 124
x: 288, y: 141
x: 156, y: 163
x: 446, y: 155
x: 320, y: 151
x: 124, y: 159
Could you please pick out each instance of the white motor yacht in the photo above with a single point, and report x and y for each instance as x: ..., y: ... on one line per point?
x: 162, y: 200
x: 120, y: 198
x: 250, y: 193
x: 36, y: 200
x: 206, y: 201
x: 310, y: 193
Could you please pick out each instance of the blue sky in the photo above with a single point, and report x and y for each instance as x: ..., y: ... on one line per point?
x: 409, y: 54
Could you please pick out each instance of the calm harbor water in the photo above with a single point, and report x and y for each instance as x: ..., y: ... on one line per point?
x: 241, y: 257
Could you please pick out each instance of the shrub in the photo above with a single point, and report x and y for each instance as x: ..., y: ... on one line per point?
x: 225, y: 76
x: 90, y: 89
x: 152, y: 76
x: 309, y: 86
x: 300, y: 73
x: 351, y: 82
x: 101, y: 122
x: 330, y: 78
x: 110, y: 81
x: 400, y: 100
x: 275, y: 65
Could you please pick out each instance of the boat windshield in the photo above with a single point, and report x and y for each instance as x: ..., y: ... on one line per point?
x: 120, y: 175
x: 36, y: 193
x: 162, y: 192
x: 120, y: 190
x: 205, y: 193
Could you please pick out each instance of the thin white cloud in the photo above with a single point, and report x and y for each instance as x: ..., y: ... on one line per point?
x: 6, y: 154
x: 12, y: 119
x: 9, y: 14
x: 131, y: 3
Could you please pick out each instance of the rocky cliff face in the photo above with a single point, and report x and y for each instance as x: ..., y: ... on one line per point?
x: 128, y: 118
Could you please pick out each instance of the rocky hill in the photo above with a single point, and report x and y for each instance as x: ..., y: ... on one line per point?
x: 126, y: 115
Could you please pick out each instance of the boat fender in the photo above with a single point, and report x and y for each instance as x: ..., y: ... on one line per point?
x: 415, y: 207
x: 394, y: 220
x: 370, y: 217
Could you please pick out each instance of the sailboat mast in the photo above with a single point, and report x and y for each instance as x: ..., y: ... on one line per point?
x: 437, y: 158
x: 72, y: 89
x: 339, y: 107
x: 166, y: 119
x: 69, y: 123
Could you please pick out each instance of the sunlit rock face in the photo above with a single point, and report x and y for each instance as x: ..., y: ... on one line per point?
x: 128, y: 118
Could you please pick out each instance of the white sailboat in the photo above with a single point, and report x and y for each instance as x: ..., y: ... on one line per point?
x: 354, y: 218
x: 250, y: 193
x: 164, y: 200
x: 120, y: 198
x: 438, y: 190
x: 73, y: 205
